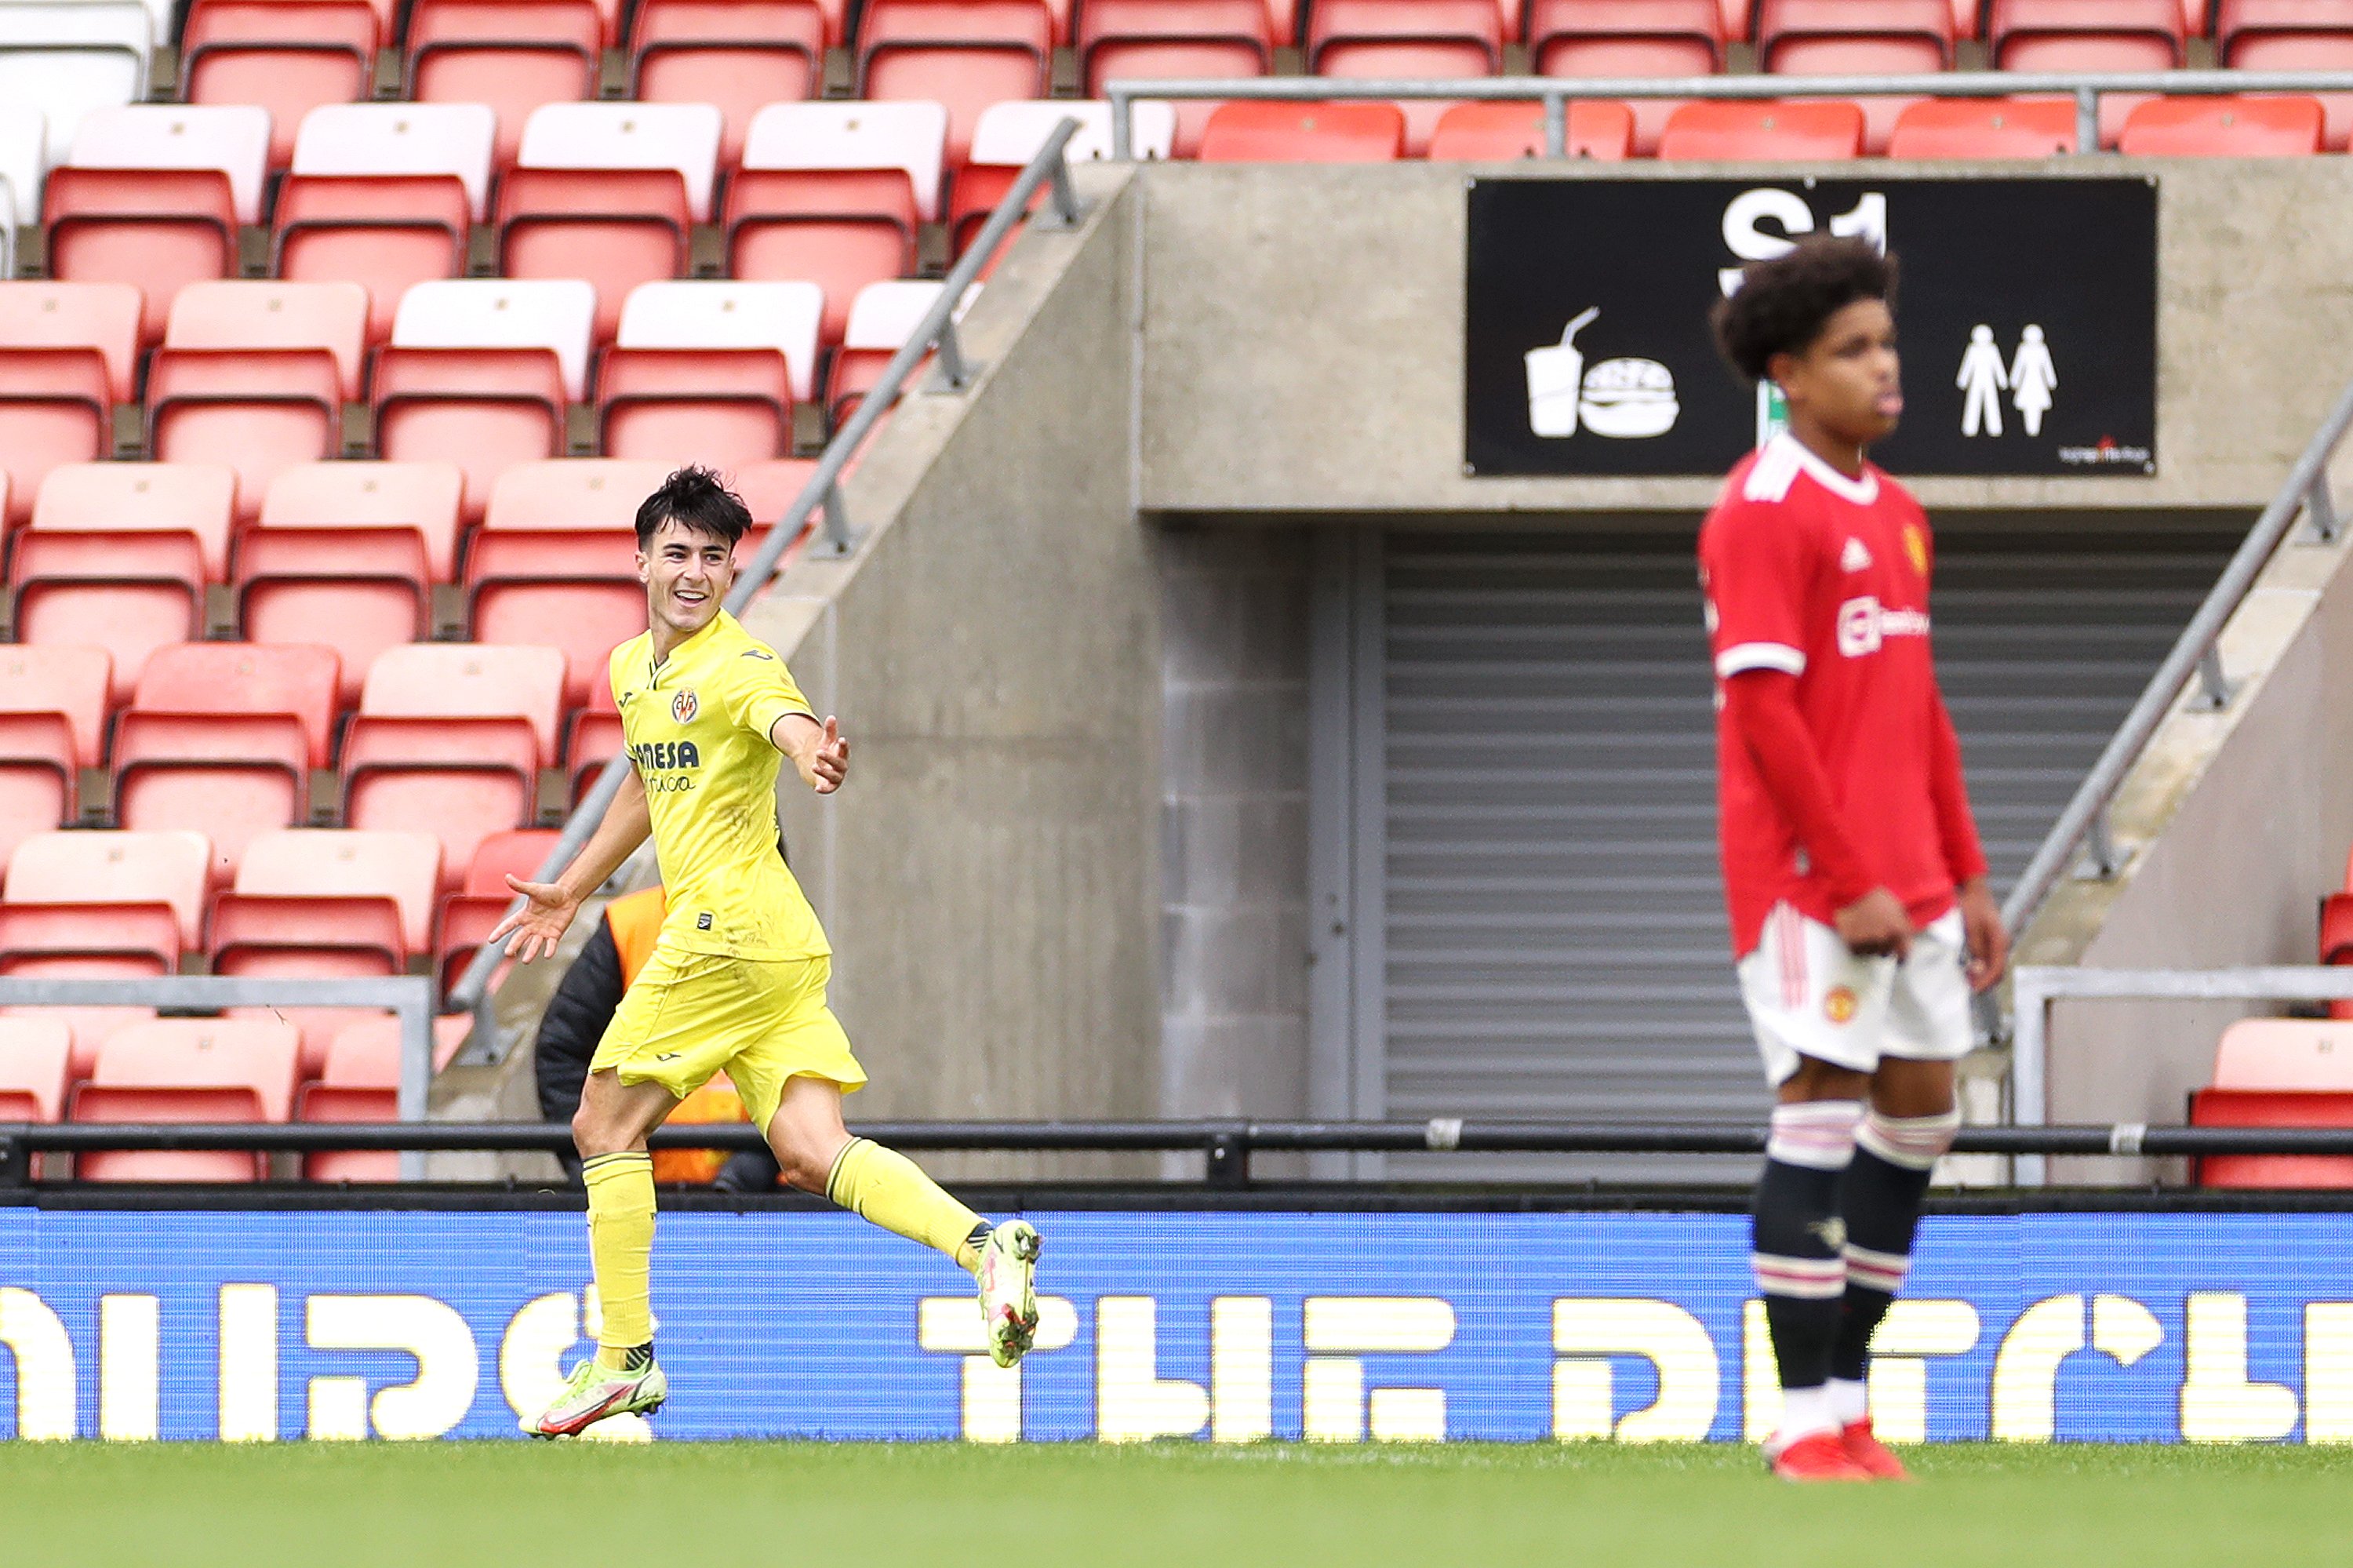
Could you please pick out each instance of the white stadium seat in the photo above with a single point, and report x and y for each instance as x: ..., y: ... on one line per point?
x: 24, y: 155
x: 66, y: 58
x: 885, y: 314
x: 555, y: 313
x: 1009, y: 134
x: 681, y: 136
x: 401, y: 139
x: 910, y: 136
x: 232, y: 138
x: 698, y: 314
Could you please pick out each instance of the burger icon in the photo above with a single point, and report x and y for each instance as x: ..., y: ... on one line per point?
x: 1628, y: 399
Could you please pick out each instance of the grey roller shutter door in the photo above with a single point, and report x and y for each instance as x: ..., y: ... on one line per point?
x: 1555, y: 940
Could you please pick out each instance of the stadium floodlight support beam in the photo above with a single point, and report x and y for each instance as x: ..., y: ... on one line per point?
x: 2034, y: 987
x: 411, y: 997
x: 952, y: 375
x: 1555, y: 93
x: 2197, y: 652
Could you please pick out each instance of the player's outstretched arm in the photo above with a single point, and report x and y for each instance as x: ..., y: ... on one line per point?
x: 819, y: 751
x: 539, y: 926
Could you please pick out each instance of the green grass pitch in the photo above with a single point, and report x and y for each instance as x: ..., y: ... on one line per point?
x: 809, y: 1505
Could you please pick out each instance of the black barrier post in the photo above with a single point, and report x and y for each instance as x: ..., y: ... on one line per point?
x: 16, y: 1158
x: 1230, y: 1150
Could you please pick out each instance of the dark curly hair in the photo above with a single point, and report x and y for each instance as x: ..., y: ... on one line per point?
x: 1783, y: 303
x: 696, y: 498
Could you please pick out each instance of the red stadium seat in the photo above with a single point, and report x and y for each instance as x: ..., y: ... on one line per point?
x: 422, y: 497
x: 593, y: 737
x: 353, y: 936
x: 1418, y: 39
x: 193, y: 1070
x: 962, y: 54
x: 232, y: 678
x: 449, y: 740
x: 882, y: 319
x: 90, y: 1027
x: 36, y: 1056
x: 573, y: 496
x: 69, y: 354
x: 1811, y: 131
x: 1470, y: 132
x: 1985, y: 128
x: 194, y: 498
x: 1254, y: 133
x: 736, y: 55
x: 519, y: 853
x: 155, y: 230
x: 346, y: 863
x: 288, y: 55
x: 2284, y: 1053
x: 114, y: 868
x: 2224, y: 128
x: 1838, y: 37
x: 127, y: 593
x: 479, y: 372
x: 2084, y: 35
x: 832, y: 194
x: 258, y: 372
x: 90, y: 941
x: 361, y: 1082
x: 2291, y: 35
x: 1157, y: 39
x: 358, y: 591
x: 1010, y: 134
x: 577, y: 593
x: 52, y: 724
x: 2277, y: 1109
x: 1629, y: 37
x: 512, y: 55
x: 709, y: 372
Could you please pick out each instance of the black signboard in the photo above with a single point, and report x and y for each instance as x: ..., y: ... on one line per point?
x: 2026, y: 316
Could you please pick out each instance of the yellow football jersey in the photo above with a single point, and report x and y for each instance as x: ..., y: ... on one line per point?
x: 697, y: 726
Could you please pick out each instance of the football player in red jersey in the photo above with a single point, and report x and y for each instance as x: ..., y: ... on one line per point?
x: 1861, y: 916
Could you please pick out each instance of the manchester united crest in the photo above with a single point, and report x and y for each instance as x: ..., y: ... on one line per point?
x: 684, y: 707
x: 1915, y: 545
x: 1839, y: 1004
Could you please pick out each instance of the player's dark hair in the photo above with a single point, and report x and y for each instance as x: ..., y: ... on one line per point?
x: 694, y: 497
x: 1783, y: 304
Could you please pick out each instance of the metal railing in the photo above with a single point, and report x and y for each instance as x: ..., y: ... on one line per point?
x: 1555, y: 93
x: 1227, y: 1146
x: 410, y: 997
x: 2033, y: 988
x: 2197, y: 652
x: 953, y: 373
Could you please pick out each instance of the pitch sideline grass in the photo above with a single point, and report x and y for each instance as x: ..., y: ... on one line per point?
x: 457, y: 1505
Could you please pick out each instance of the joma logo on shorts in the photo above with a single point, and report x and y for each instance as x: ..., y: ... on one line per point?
x: 661, y: 754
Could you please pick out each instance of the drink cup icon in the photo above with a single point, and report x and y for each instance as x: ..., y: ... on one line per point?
x: 1557, y: 378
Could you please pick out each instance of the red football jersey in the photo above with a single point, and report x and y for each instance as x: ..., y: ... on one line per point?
x: 1826, y: 578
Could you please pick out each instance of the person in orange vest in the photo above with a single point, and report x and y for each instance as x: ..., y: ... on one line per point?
x: 575, y: 1021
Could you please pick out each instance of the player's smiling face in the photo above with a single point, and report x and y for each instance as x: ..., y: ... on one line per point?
x: 687, y: 573
x: 1847, y: 383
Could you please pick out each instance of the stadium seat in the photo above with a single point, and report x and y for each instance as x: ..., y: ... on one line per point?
x: 279, y: 680
x: 355, y: 936
x: 357, y: 591
x: 197, y: 499
x: 257, y: 372
x: 88, y: 940
x: 832, y: 194
x: 287, y: 57
x: 338, y: 863
x: 1984, y: 128
x: 576, y: 592
x: 480, y: 372
x: 1254, y: 133
x: 1159, y: 39
x: 1487, y: 133
x: 116, y: 868
x: 53, y: 703
x: 962, y: 54
x: 68, y: 354
x: 360, y: 1081
x: 609, y: 193
x: 882, y: 319
x: 517, y: 853
x: 127, y: 593
x: 193, y: 1070
x: 512, y: 55
x: 574, y: 494
x: 1628, y: 39
x: 2291, y: 35
x: 403, y: 141
x: 229, y: 140
x: 1415, y: 39
x: 2217, y: 127
x: 1009, y: 135
x: 1838, y: 38
x: 384, y: 196
x: 594, y: 738
x: 709, y: 371
x: 1807, y: 131
x: 449, y: 739
x: 89, y: 1027
x: 734, y: 54
x: 23, y: 160
x: 66, y: 58
x: 36, y: 1058
x: 2084, y: 35
x: 420, y: 496
x: 2278, y: 1072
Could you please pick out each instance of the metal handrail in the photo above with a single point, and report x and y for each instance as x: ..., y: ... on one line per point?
x: 1050, y: 169
x: 1555, y: 93
x: 2195, y: 652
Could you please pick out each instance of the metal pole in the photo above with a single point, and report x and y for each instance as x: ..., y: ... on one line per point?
x: 951, y: 375
x: 416, y: 1069
x: 1123, y: 121
x: 2087, y: 118
x: 2321, y: 507
x: 2029, y: 1063
x: 1556, y: 124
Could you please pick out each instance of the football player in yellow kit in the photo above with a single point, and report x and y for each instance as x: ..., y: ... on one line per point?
x: 736, y: 980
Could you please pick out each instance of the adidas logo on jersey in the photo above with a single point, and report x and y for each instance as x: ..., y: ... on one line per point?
x: 1854, y: 557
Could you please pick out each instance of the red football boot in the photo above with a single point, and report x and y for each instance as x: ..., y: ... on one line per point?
x: 1817, y: 1457
x: 1864, y: 1448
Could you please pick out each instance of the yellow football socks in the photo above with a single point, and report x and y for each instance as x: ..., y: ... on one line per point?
x: 885, y: 1187
x: 621, y: 1245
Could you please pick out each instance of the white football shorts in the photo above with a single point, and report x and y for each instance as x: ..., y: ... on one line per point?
x: 1809, y: 996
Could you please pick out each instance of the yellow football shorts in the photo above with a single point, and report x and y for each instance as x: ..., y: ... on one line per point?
x: 690, y: 1015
